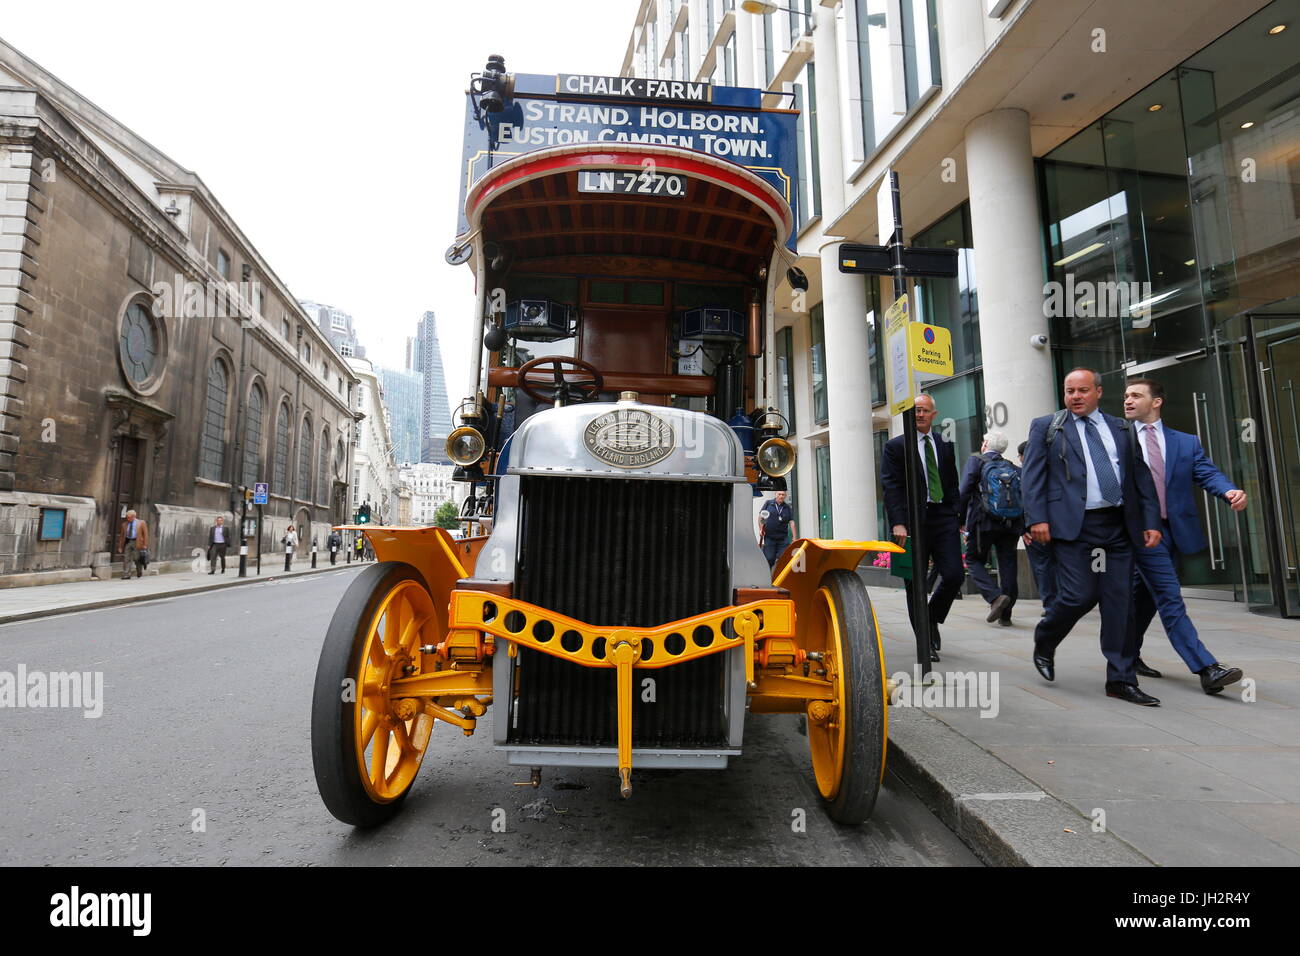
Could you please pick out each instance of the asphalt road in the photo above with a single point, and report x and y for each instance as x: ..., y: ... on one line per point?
x: 206, y: 716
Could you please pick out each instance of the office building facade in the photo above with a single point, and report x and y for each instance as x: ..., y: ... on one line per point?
x: 1119, y: 181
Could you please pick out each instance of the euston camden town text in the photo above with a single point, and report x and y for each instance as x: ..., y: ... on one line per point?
x: 557, y: 124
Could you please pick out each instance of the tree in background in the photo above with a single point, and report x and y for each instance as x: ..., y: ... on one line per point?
x: 446, y: 516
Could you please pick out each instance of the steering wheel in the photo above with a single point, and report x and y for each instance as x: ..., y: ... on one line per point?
x: 582, y: 384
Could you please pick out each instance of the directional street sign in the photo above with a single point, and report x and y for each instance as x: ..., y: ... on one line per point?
x: 857, y: 257
x: 260, y: 491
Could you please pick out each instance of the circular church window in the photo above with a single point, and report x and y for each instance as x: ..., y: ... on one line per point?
x: 141, y: 348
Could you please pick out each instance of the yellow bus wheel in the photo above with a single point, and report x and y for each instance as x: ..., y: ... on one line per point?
x: 366, y: 748
x: 847, y: 735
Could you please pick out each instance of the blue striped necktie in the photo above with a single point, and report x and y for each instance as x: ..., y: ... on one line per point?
x: 1107, y: 483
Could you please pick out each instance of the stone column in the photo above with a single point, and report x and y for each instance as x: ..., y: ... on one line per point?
x: 1007, y: 229
x: 745, y: 70
x: 844, y: 304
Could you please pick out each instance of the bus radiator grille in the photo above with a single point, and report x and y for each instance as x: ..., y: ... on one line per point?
x: 622, y: 552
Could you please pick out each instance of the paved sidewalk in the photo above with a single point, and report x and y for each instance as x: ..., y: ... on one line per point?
x: 21, y: 604
x: 1198, y: 781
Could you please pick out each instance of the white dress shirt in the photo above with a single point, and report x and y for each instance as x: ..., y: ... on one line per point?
x: 1094, y: 499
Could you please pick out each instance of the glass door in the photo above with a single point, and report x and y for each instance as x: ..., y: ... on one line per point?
x: 1192, y: 405
x: 1274, y: 341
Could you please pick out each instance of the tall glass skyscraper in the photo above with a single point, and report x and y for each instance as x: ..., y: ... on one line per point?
x: 403, y: 397
x: 424, y: 355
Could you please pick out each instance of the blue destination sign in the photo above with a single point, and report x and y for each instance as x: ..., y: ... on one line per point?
x: 634, y: 87
x: 731, y: 127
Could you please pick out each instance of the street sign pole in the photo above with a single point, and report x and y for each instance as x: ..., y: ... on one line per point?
x: 243, y: 535
x: 912, y: 355
x: 911, y: 469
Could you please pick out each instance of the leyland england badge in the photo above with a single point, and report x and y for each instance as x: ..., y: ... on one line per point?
x: 629, y: 438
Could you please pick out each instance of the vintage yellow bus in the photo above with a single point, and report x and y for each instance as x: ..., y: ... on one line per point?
x: 610, y: 605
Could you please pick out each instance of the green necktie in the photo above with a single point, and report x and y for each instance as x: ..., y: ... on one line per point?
x: 932, y: 471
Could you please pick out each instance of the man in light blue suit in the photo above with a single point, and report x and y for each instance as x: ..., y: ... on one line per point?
x: 1176, y: 461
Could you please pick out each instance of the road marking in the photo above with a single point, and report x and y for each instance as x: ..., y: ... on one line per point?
x: 1032, y: 795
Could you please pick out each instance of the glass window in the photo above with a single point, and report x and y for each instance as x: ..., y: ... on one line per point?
x: 800, y: 17
x: 785, y: 376
x: 952, y: 303
x: 140, y: 346
x: 281, y: 479
x: 253, y: 437
x: 769, y: 51
x: 882, y: 109
x: 323, y: 479
x: 961, y: 400
x: 805, y: 101
x: 304, y: 460
x: 212, y: 460
x: 821, y: 413
x: 729, y: 61
x: 825, y: 526
x: 223, y: 263
x: 878, y: 439
x: 876, y: 341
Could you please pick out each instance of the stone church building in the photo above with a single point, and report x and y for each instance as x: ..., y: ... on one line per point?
x: 149, y: 357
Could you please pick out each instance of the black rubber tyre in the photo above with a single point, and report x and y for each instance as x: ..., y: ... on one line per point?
x: 863, y: 709
x: 333, y: 734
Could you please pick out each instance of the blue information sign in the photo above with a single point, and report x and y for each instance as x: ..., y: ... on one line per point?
x: 543, y: 113
x: 260, y: 491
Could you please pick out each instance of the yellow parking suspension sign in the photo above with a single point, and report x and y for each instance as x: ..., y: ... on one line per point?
x: 929, y: 350
x: 915, y: 353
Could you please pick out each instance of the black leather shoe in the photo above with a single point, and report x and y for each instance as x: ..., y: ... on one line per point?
x: 996, y: 608
x: 1005, y: 621
x: 1216, y: 677
x: 1131, y: 693
x: 934, y: 656
x: 1045, y: 666
x: 934, y: 636
x: 1144, y: 670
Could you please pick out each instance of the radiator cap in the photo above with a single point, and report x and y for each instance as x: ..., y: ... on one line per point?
x: 628, y: 397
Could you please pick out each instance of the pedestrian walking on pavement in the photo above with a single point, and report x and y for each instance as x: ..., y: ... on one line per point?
x: 334, y: 542
x: 994, y: 521
x: 218, y: 542
x: 290, y: 542
x: 775, y: 527
x: 360, y: 547
x: 1177, y: 461
x: 133, y: 542
x: 1090, y: 494
x: 938, y: 471
x: 1042, y: 559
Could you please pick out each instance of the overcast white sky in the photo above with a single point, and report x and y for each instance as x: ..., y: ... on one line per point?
x: 330, y: 130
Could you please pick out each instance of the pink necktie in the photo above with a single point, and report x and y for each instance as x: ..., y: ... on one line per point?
x: 1157, y: 464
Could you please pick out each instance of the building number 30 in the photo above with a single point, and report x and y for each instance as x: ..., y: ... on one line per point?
x: 995, y: 416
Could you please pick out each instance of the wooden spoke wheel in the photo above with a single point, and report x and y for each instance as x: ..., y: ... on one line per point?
x: 847, y: 735
x: 366, y: 747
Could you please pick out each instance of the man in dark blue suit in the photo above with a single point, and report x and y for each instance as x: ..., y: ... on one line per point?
x: 937, y: 468
x: 1176, y: 460
x: 1090, y: 494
